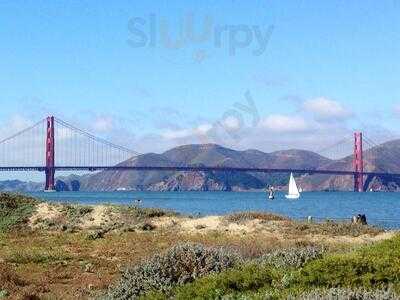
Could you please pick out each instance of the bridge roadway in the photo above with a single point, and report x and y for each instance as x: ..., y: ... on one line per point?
x: 193, y: 169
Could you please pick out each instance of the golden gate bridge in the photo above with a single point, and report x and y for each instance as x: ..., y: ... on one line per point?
x: 54, y: 145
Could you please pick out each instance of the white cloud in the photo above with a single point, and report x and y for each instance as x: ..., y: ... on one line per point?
x: 201, y: 130
x: 14, y: 151
x: 231, y: 123
x: 325, y: 109
x: 15, y: 124
x: 284, y: 124
x: 18, y: 123
x: 103, y: 124
x: 396, y: 109
x: 176, y: 134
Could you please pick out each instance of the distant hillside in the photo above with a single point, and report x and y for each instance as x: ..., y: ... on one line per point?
x: 210, y: 155
x: 20, y: 186
x: 113, y: 180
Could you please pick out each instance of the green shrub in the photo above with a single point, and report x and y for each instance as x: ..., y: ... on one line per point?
x: 180, y: 265
x: 143, y: 213
x: 15, y: 210
x: 4, y: 294
x: 241, y: 217
x: 365, y: 273
x: 36, y: 256
x: 250, y: 277
x: 370, y: 267
x: 76, y: 212
x: 356, y: 294
x: 293, y: 257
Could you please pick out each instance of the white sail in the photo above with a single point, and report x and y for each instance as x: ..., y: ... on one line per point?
x: 293, y: 190
x: 271, y: 193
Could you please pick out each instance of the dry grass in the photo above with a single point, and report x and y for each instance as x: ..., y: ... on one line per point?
x: 334, y: 229
x: 242, y: 217
x: 252, y: 245
x: 9, y: 280
x: 83, y: 268
x: 66, y: 265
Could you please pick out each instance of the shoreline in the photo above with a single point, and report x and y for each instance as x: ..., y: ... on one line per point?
x: 223, y: 203
x: 124, y: 216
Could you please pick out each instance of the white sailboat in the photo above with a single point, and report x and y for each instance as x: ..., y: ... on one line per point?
x: 271, y: 193
x: 293, y: 190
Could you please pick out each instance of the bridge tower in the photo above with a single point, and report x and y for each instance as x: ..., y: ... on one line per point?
x: 50, y: 155
x: 358, y: 163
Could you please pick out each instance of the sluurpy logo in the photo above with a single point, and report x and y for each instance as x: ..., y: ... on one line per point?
x: 154, y: 31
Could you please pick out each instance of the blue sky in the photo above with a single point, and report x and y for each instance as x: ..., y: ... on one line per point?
x: 329, y: 67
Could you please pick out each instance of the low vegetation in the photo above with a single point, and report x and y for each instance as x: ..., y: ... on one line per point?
x: 353, y: 294
x: 246, y: 278
x: 142, y: 213
x: 75, y: 213
x: 292, y: 257
x: 36, y: 256
x: 179, y: 265
x: 366, y: 273
x: 242, y: 217
x: 371, y: 267
x: 9, y: 280
x: 58, y: 251
x: 15, y: 210
x: 335, y: 228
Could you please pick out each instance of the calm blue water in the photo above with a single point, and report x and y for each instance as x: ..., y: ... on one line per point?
x: 382, y: 209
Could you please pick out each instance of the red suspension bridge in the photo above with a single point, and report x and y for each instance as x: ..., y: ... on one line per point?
x: 54, y: 145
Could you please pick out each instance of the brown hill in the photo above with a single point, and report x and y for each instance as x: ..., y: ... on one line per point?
x: 209, y: 155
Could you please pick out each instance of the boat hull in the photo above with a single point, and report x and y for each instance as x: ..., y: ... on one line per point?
x: 292, y: 196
